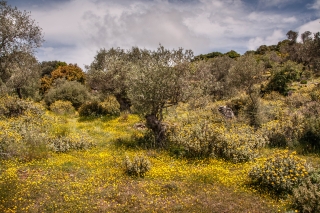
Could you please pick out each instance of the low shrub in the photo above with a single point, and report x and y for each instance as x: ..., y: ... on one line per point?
x: 24, y: 137
x: 284, y: 131
x: 108, y: 107
x: 279, y: 174
x: 70, y: 142
x: 62, y: 107
x: 13, y: 107
x: 315, y: 94
x: 310, y: 138
x: 72, y: 91
x: 138, y: 167
x: 306, y: 197
x: 111, y: 106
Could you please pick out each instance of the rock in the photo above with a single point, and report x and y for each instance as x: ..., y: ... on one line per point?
x: 139, y: 126
x: 226, y: 112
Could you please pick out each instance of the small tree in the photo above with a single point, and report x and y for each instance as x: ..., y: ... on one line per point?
x: 19, y: 37
x: 108, y: 74
x: 157, y: 81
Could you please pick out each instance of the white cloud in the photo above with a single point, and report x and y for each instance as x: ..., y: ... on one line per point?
x: 276, y: 36
x: 312, y: 26
x: 315, y: 5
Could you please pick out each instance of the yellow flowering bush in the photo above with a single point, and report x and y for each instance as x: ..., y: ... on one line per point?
x: 138, y: 167
x: 280, y: 173
x: 62, y: 107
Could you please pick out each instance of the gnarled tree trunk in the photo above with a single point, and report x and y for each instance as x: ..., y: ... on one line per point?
x: 158, y: 128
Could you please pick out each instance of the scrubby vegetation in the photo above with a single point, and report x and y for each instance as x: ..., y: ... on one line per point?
x: 160, y: 130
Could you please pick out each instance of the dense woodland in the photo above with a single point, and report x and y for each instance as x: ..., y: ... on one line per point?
x: 241, y: 132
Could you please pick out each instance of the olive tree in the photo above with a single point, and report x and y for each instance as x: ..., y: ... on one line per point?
x: 157, y: 81
x: 24, y: 79
x: 245, y: 75
x: 19, y: 36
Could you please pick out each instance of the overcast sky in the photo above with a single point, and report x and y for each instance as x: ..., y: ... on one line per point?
x: 74, y: 30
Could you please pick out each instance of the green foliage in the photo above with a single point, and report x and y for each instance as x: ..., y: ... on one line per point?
x: 47, y: 67
x: 211, y: 77
x: 232, y: 54
x: 109, y: 106
x: 310, y: 137
x: 245, y: 74
x: 284, y: 131
x: 279, y: 173
x: 315, y: 94
x: 62, y: 107
x: 207, y: 56
x: 306, y: 197
x: 72, y: 91
x: 282, y: 76
x: 138, y: 167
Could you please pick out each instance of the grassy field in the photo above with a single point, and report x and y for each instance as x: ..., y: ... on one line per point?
x: 94, y: 180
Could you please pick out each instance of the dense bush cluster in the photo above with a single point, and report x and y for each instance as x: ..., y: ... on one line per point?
x: 200, y: 138
x: 109, y: 106
x: 280, y: 173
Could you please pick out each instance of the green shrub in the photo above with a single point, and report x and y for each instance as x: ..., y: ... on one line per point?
x: 306, y: 197
x: 303, y: 81
x: 109, y: 107
x: 282, y: 76
x: 284, y: 131
x: 279, y: 174
x: 310, y: 139
x: 62, y: 107
x: 72, y: 91
x: 315, y: 94
x: 138, y: 167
